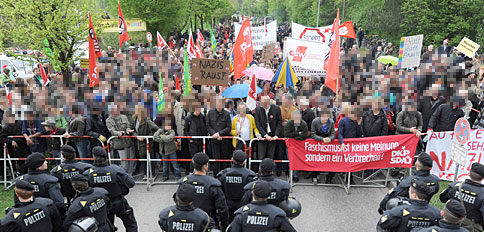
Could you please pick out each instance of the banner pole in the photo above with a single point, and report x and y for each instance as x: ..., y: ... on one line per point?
x: 456, y: 171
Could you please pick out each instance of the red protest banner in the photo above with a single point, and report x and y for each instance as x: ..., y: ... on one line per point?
x: 358, y: 154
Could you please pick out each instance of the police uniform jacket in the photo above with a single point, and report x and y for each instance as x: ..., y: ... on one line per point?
x: 233, y: 180
x: 260, y: 217
x: 443, y: 227
x: 113, y: 178
x: 402, y: 188
x: 472, y: 196
x: 65, y: 171
x: 280, y: 190
x: 210, y: 197
x: 33, y: 216
x: 93, y: 202
x: 45, y: 186
x: 185, y: 218
x: 419, y: 214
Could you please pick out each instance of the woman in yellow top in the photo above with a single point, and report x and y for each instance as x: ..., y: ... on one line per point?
x: 243, y: 126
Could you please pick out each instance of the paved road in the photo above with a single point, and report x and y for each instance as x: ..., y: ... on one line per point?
x: 324, y: 208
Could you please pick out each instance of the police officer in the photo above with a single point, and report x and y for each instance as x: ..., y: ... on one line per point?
x: 259, y: 215
x: 89, y: 202
x: 31, y: 213
x: 453, y: 213
x: 117, y: 182
x: 234, y: 179
x: 210, y: 197
x: 184, y: 216
x: 419, y: 214
x: 423, y: 165
x: 67, y: 169
x: 280, y: 188
x: 472, y: 196
x: 45, y: 185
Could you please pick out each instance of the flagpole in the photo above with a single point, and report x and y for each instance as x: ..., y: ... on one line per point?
x: 319, y: 6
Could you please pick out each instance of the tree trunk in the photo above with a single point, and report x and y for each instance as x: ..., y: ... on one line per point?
x: 201, y: 22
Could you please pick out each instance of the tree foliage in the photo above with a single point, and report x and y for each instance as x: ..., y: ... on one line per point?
x: 62, y: 23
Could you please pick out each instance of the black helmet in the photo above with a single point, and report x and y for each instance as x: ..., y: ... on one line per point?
x: 291, y: 206
x: 85, y: 224
x: 397, y: 201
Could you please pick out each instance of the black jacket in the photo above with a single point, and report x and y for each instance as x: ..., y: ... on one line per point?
x: 274, y: 120
x: 476, y: 104
x: 308, y: 116
x: 444, y: 118
x: 219, y: 122
x: 374, y: 125
x: 195, y: 125
x: 22, y: 149
x: 96, y: 125
x: 427, y: 107
x: 300, y: 134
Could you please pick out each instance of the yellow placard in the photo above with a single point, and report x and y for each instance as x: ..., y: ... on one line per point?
x: 468, y: 47
x: 112, y: 25
x: 84, y: 63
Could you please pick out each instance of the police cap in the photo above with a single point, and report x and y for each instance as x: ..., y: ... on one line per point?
x: 68, y: 149
x: 262, y: 189
x: 239, y: 156
x: 425, y: 159
x: 186, y: 193
x: 24, y: 185
x: 420, y: 187
x: 78, y: 178
x: 455, y: 208
x: 268, y: 165
x: 35, y: 160
x: 200, y: 158
x: 99, y: 151
x: 477, y: 168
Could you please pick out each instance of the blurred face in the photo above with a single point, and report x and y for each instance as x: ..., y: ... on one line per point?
x: 219, y: 104
x: 378, y: 48
x: 265, y: 102
x: 296, y: 116
x: 115, y: 110
x: 241, y: 109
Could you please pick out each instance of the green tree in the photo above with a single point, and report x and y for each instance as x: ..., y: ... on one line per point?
x: 62, y: 23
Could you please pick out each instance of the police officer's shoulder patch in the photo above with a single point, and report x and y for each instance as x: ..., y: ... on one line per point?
x: 15, y: 215
x: 384, y: 218
x: 184, y: 179
x: 91, y: 170
x: 22, y: 177
x: 171, y: 214
x: 405, y: 212
x: 245, y: 208
x: 434, y: 230
x: 390, y: 191
x: 59, y: 168
x: 83, y: 203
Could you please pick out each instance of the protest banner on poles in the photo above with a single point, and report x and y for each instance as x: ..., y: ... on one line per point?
x: 210, y: 72
x: 358, y: 154
x: 468, y: 47
x: 307, y: 57
x: 410, y: 51
x: 260, y: 36
x: 321, y: 34
x: 268, y: 52
x: 439, y: 148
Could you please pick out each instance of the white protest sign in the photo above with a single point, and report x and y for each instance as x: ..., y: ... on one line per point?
x: 307, y: 57
x: 316, y: 34
x: 468, y: 47
x: 262, y: 35
x: 410, y: 50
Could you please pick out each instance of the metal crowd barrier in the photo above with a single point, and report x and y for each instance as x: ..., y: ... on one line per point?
x: 7, y: 158
x: 150, y: 176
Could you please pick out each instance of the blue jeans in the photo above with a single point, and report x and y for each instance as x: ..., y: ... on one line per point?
x: 174, y: 164
x: 84, y: 149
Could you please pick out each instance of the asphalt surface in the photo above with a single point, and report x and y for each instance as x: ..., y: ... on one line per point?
x: 324, y: 208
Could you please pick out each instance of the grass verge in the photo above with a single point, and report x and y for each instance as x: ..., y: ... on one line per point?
x: 6, y: 200
x: 435, y: 201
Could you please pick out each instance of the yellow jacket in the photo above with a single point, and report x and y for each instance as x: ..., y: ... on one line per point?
x: 253, y: 128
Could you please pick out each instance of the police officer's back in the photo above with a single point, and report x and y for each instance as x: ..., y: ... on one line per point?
x: 89, y: 202
x: 69, y: 168
x: 184, y: 216
x: 210, y: 197
x: 117, y: 182
x: 423, y: 165
x: 280, y: 188
x: 419, y: 214
x: 453, y: 213
x: 472, y: 196
x: 234, y: 179
x: 259, y: 215
x: 31, y: 213
x: 45, y: 185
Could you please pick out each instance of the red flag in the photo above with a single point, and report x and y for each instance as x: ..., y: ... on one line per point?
x: 177, y: 83
x: 192, y: 50
x: 93, y: 55
x: 346, y: 30
x: 200, y: 36
x: 161, y: 42
x: 9, y: 96
x: 198, y: 50
x: 243, y: 50
x: 252, y: 96
x: 123, y: 30
x: 332, y: 73
x: 43, y: 76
